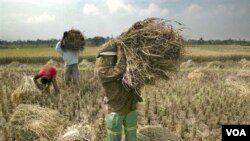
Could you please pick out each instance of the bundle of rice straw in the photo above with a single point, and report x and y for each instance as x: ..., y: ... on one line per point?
x: 14, y: 64
x: 26, y: 93
x: 244, y: 63
x: 31, y: 122
x: 52, y: 62
x: 78, y: 132
x: 74, y: 40
x: 85, y: 63
x: 201, y: 73
x: 215, y: 64
x: 153, y: 50
x: 187, y: 64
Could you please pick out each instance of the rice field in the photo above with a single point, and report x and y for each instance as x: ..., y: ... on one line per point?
x: 209, y: 52
x: 217, y: 50
x: 207, y: 92
x: 40, y: 52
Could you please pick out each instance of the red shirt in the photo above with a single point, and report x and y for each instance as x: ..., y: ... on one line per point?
x: 48, y: 71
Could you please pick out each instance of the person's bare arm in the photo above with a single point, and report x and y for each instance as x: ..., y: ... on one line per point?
x: 59, y: 48
x: 55, y: 85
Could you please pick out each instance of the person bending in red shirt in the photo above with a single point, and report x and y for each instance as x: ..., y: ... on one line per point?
x: 46, y: 75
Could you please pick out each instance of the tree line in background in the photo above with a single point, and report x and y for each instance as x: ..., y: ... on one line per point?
x: 98, y: 40
x: 92, y: 42
x: 201, y: 41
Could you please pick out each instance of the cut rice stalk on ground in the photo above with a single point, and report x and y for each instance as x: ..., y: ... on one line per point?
x: 26, y: 93
x: 31, y: 122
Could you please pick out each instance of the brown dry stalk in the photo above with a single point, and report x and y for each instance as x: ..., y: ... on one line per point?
x: 153, y: 49
x: 74, y: 40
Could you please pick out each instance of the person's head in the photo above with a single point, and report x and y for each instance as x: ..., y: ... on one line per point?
x: 65, y: 34
x: 45, y: 80
x: 109, y: 60
x: 109, y: 55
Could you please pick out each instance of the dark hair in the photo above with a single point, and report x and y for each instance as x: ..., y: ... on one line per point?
x: 45, y: 80
x: 65, y: 34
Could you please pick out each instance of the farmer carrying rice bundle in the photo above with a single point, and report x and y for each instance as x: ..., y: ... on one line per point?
x: 148, y: 50
x: 72, y: 42
x: 121, y: 101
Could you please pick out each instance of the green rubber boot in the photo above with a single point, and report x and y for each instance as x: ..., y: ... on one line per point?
x: 114, y: 127
x: 130, y: 126
x: 114, y: 124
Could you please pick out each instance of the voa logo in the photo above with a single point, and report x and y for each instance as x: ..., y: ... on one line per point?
x: 236, y: 132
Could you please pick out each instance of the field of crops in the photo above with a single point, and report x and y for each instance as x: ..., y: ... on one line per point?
x: 210, y: 90
x: 40, y: 52
x: 194, y: 52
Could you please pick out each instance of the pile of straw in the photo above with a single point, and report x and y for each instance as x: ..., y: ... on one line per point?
x: 74, y: 40
x: 31, y: 122
x: 52, y: 62
x: 26, y: 93
x: 188, y: 64
x: 215, y: 64
x: 244, y: 63
x: 85, y: 63
x: 14, y: 64
x: 199, y: 74
x: 78, y: 133
x: 153, y: 49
